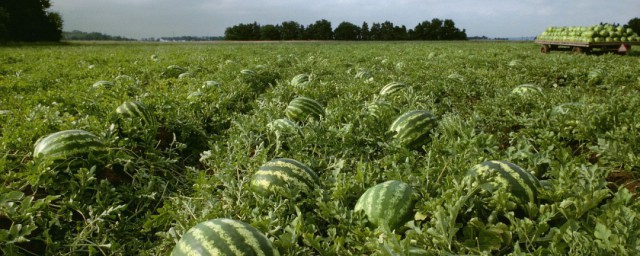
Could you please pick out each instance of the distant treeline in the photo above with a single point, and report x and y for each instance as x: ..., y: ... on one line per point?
x: 435, y: 29
x: 92, y: 36
x: 183, y: 39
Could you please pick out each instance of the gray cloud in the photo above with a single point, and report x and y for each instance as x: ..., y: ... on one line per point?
x: 496, y: 18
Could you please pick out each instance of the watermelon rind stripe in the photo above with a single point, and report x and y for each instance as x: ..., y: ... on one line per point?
x: 289, y: 170
x: 257, y: 241
x: 136, y: 108
x: 307, y: 106
x: 279, y: 177
x: 303, y: 105
x: 224, y: 237
x: 388, y: 203
x: 525, y: 179
x: 413, y: 128
x: 511, y: 181
x: 521, y: 183
x: 279, y: 174
x: 67, y: 143
x: 299, y: 165
x: 392, y: 88
x: 202, y: 239
x: 229, y: 235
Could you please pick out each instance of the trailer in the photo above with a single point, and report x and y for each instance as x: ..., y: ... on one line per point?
x: 582, y: 47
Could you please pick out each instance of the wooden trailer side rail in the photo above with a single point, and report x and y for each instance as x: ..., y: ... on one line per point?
x: 584, y: 47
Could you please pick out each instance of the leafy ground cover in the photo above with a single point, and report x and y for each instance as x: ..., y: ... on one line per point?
x: 575, y: 127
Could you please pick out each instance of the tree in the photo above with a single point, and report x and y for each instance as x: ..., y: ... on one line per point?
x: 321, y: 30
x: 634, y: 24
x: 29, y: 20
x: 401, y: 32
x: 346, y: 31
x: 270, y: 32
x: 421, y: 31
x: 4, y: 19
x: 437, y: 29
x: 249, y: 31
x: 450, y: 32
x: 386, y: 31
x: 291, y: 30
x: 365, y: 34
x: 376, y: 32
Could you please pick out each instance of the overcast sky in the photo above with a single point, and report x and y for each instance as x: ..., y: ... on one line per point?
x: 492, y: 18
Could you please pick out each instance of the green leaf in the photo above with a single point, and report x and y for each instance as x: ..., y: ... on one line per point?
x: 602, y: 232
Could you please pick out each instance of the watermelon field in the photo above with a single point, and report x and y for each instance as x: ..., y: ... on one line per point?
x: 373, y: 148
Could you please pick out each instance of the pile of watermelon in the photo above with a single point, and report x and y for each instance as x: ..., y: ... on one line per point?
x: 591, y: 34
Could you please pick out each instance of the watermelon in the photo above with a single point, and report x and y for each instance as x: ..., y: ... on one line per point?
x: 391, y: 88
x: 456, y: 77
x: 301, y: 108
x: 136, y: 109
x: 526, y: 89
x: 224, y: 237
x: 363, y: 74
x: 596, y: 76
x: 413, y: 129
x: 173, y: 71
x: 210, y: 84
x: 184, y: 75
x: 389, y: 203
x: 67, y: 144
x: 195, y: 95
x: 380, y: 108
x: 493, y: 175
x: 300, y: 80
x: 283, y: 176
x: 248, y: 72
x: 103, y: 84
x: 283, y: 126
x: 124, y: 78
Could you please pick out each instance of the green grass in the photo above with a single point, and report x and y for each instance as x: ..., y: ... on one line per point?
x: 196, y: 161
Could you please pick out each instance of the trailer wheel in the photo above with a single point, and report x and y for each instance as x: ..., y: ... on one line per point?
x: 577, y: 49
x: 545, y: 48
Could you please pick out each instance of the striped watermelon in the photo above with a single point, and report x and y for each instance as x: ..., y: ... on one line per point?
x: 283, y: 126
x: 363, y: 74
x: 502, y: 174
x: 413, y: 129
x: 281, y: 176
x: 103, y: 84
x: 224, y: 237
x: 210, y: 84
x: 595, y: 76
x: 197, y: 95
x: 124, y: 78
x: 389, y: 203
x: 248, y: 72
x: 184, y: 75
x: 456, y: 77
x: 301, y: 108
x: 67, y: 144
x: 136, y: 109
x: 173, y: 71
x: 300, y: 80
x: 526, y: 89
x: 380, y: 109
x: 391, y: 88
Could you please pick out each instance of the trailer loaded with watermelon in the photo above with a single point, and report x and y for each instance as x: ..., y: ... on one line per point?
x: 592, y: 39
